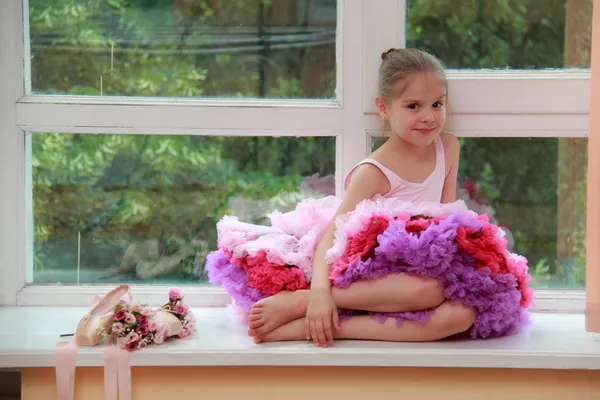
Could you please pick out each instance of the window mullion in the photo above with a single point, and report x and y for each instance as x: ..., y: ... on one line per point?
x: 350, y: 62
x: 12, y: 224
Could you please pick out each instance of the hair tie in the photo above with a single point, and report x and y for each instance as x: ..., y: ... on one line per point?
x: 386, y: 53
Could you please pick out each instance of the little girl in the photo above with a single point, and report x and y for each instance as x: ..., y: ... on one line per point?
x: 418, y: 163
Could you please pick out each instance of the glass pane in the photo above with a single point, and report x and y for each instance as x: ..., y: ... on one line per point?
x: 536, y: 189
x: 144, y: 208
x: 514, y: 34
x: 191, y: 48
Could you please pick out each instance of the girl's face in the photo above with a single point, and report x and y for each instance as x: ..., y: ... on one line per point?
x: 418, y: 114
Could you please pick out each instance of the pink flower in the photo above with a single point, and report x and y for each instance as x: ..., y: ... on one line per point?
x: 129, y: 318
x: 159, y: 339
x: 132, y: 337
x: 136, y: 308
x: 143, y: 330
x: 146, y: 311
x: 143, y: 320
x: 180, y: 310
x: 118, y: 327
x: 174, y: 294
x: 120, y: 316
x: 152, y: 325
x: 131, y: 346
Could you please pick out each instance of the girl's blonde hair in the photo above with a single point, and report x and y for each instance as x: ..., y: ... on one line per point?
x: 399, y: 65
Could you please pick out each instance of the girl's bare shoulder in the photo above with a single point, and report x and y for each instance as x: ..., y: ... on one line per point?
x: 450, y: 141
x: 451, y: 149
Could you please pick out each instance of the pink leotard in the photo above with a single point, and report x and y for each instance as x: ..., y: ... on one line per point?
x: 430, y: 190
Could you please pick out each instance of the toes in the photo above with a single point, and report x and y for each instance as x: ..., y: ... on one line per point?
x: 257, y: 311
x: 267, y: 337
x: 256, y: 324
x: 263, y: 329
x: 258, y: 305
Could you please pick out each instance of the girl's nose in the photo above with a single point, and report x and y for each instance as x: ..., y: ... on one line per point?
x: 427, y: 116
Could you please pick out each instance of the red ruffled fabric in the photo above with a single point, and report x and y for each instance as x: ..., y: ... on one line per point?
x: 361, y: 243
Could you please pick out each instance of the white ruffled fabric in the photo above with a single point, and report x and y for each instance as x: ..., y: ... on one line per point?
x: 291, y: 239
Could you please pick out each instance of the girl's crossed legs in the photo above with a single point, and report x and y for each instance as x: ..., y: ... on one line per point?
x: 280, y: 317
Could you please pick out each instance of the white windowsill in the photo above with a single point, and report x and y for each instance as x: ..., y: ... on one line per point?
x: 553, y: 341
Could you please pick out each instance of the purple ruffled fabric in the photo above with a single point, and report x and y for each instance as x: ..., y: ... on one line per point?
x: 434, y: 253
x: 233, y: 280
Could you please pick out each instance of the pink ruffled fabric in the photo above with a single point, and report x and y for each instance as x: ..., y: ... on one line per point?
x: 460, y: 248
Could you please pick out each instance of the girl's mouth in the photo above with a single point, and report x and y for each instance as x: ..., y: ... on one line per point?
x: 424, y: 131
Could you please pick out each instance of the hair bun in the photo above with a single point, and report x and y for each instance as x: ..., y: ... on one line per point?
x: 386, y: 53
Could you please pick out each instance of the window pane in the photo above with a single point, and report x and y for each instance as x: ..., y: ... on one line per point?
x: 144, y: 208
x: 192, y: 48
x: 519, y: 34
x: 536, y: 189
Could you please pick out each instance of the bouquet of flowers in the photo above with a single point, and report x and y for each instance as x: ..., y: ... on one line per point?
x: 177, y: 307
x: 137, y: 326
x: 134, y: 327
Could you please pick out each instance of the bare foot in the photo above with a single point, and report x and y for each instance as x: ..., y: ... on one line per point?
x: 272, y: 312
x: 293, y: 330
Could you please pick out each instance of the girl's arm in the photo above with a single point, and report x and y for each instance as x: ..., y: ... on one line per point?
x: 322, y: 315
x: 452, y: 150
x: 366, y: 181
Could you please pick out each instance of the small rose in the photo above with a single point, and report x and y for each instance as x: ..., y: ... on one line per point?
x: 129, y: 319
x: 174, y: 294
x: 143, y: 330
x: 132, y: 337
x: 120, y: 316
x: 180, y: 310
x: 152, y: 325
x: 143, y: 320
x: 131, y: 346
x: 118, y: 328
x: 146, y: 311
x: 136, y: 308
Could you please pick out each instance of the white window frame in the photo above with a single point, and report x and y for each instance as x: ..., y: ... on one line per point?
x: 517, y: 104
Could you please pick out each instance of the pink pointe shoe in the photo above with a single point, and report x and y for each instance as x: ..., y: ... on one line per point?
x: 96, y: 324
x: 171, y: 322
x: 93, y: 326
x: 91, y: 329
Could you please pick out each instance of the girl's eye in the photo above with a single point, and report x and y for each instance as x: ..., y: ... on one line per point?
x: 437, y: 104
x: 412, y: 106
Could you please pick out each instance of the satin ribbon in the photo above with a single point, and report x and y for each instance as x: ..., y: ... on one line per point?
x: 65, y: 358
x: 117, y: 371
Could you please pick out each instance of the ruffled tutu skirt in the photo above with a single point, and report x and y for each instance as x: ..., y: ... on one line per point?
x: 461, y: 249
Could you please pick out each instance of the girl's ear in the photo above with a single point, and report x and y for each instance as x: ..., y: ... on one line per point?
x: 381, y: 107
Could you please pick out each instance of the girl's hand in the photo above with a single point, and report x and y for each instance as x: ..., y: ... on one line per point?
x: 321, y: 317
